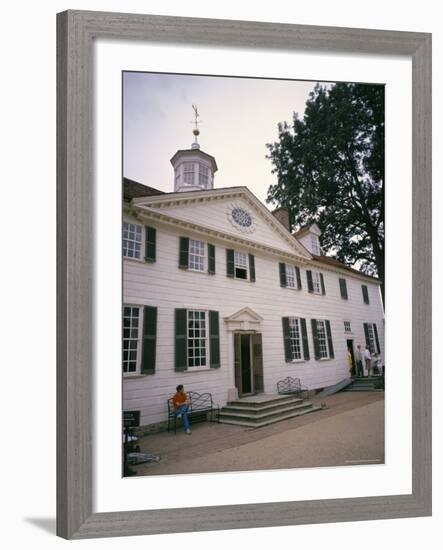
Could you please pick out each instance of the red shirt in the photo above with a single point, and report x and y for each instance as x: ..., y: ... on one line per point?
x: 179, y: 399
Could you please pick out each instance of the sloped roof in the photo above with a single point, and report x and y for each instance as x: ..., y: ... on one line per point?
x: 132, y: 189
x: 328, y: 260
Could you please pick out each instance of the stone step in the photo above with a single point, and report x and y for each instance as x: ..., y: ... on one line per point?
x: 272, y: 420
x: 257, y: 416
x: 261, y: 400
x: 360, y: 388
x: 269, y: 406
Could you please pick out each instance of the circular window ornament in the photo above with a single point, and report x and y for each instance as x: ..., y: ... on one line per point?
x: 241, y: 219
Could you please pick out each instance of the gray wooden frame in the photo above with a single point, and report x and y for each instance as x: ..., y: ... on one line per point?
x: 76, y: 31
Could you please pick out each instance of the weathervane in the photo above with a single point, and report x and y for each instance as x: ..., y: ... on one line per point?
x: 196, y: 122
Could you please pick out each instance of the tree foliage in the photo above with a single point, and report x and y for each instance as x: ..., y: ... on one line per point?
x: 330, y: 169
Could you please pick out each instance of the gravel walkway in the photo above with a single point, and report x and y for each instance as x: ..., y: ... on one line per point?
x: 349, y: 431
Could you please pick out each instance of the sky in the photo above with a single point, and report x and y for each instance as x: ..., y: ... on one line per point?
x: 239, y: 116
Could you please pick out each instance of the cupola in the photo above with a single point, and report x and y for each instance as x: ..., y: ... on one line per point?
x: 193, y: 168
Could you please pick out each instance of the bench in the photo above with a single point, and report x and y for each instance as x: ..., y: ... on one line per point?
x: 292, y: 386
x: 199, y: 404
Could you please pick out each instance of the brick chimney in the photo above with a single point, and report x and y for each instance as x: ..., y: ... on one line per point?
x: 282, y: 215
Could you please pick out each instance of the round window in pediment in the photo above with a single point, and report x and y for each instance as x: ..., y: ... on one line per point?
x: 241, y: 217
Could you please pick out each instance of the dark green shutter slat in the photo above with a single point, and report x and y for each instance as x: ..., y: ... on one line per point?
x: 214, y: 335
x: 364, y: 290
x: 229, y: 263
x: 309, y: 279
x: 329, y: 335
x: 343, y: 289
x: 181, y: 340
x: 297, y: 274
x: 282, y: 268
x: 150, y: 244
x: 211, y: 259
x: 368, y: 341
x: 251, y: 268
x: 149, y: 340
x: 315, y: 338
x: 304, y: 335
x: 183, y: 262
x: 322, y: 283
x: 286, y: 339
x: 377, y: 343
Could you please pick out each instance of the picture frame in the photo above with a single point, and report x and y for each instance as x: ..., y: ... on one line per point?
x: 76, y: 32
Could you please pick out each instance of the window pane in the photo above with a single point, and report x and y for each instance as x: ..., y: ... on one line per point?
x: 132, y: 238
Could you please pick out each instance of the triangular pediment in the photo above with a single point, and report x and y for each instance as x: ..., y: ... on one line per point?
x: 233, y: 213
x: 245, y: 314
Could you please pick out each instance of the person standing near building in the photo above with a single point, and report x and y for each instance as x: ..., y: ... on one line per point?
x: 368, y: 361
x: 359, y: 361
x: 350, y: 365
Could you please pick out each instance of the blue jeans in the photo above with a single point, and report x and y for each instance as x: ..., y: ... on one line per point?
x: 183, y: 410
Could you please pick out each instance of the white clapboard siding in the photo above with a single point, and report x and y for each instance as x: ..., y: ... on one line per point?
x: 164, y: 285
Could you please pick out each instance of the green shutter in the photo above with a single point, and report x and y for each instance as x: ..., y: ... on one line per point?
x: 149, y: 340
x: 214, y: 335
x: 343, y: 289
x: 329, y: 335
x: 229, y: 263
x: 377, y: 343
x: 181, y: 340
x: 211, y: 259
x: 282, y: 268
x: 297, y: 274
x: 304, y: 335
x: 315, y: 338
x: 364, y: 290
x: 183, y: 261
x: 322, y: 283
x: 251, y: 268
x: 309, y: 279
x: 150, y: 244
x: 287, y: 339
x: 368, y: 340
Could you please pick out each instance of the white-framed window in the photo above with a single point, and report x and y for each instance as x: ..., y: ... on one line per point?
x: 132, y: 240
x: 371, y: 338
x: 315, y: 245
x: 322, y: 339
x: 196, y: 255
x: 203, y: 175
x: 295, y: 338
x: 291, y: 281
x: 197, y: 338
x: 316, y: 282
x: 240, y: 265
x: 177, y: 174
x: 131, y: 338
x: 348, y: 326
x: 188, y: 173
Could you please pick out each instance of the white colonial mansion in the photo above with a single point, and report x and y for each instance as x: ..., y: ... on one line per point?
x: 220, y: 296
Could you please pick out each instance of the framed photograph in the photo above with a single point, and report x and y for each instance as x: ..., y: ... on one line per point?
x: 222, y: 276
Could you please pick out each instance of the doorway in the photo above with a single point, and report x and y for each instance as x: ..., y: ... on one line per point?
x: 350, y: 345
x: 248, y: 363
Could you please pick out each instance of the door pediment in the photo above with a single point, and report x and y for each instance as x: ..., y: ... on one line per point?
x: 244, y: 319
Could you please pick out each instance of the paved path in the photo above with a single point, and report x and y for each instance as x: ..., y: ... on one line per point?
x: 349, y: 431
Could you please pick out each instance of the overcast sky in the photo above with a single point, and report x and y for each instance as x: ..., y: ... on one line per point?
x: 239, y: 116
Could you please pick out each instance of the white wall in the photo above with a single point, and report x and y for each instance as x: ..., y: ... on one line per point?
x: 164, y: 285
x: 28, y: 485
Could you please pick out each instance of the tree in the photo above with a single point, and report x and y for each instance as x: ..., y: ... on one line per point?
x: 330, y: 169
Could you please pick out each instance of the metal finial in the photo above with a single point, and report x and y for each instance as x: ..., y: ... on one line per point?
x: 196, y: 122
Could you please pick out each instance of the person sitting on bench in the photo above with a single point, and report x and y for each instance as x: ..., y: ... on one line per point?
x: 180, y: 402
